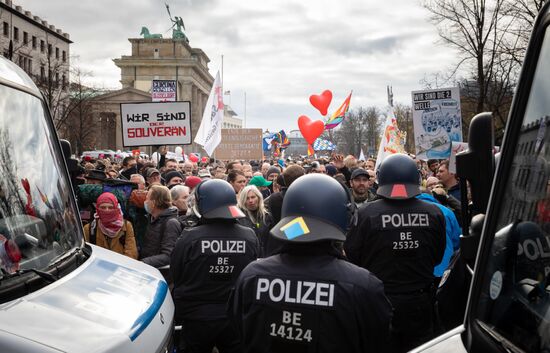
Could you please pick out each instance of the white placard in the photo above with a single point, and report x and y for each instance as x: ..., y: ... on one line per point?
x: 150, y: 124
x: 164, y: 91
x: 457, y: 147
x: 437, y: 122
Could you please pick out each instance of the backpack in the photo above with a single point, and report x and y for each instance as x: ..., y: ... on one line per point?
x: 93, y: 233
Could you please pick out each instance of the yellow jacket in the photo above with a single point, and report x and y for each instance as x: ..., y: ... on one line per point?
x: 129, y: 248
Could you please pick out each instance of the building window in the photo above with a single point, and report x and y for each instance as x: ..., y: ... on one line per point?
x: 64, y: 82
x: 6, y: 29
x: 33, y: 42
x: 25, y: 38
x: 42, y: 46
x: 30, y: 66
x: 42, y: 73
x: 56, y: 79
x: 21, y: 62
x: 64, y: 56
x: 49, y: 50
x: 15, y: 33
x: 57, y: 53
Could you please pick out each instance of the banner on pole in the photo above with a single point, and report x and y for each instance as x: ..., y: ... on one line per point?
x: 437, y: 121
x: 149, y: 124
x: 209, y: 134
x: 392, y: 140
x: 164, y: 91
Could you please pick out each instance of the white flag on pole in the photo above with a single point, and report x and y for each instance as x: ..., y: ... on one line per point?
x: 362, y: 156
x: 209, y: 134
x: 392, y: 139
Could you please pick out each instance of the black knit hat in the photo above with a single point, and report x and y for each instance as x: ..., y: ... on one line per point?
x: 173, y: 174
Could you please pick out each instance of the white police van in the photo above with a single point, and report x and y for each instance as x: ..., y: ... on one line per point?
x: 57, y: 293
x: 509, y: 301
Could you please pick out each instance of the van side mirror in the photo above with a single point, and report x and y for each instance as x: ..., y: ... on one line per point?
x: 476, y: 165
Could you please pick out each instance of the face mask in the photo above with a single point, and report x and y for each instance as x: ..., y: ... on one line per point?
x: 147, y: 208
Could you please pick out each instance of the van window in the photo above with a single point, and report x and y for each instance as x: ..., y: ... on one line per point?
x: 37, y: 218
x: 515, y: 299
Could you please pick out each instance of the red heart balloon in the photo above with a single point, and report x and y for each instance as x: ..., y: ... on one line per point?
x: 204, y: 159
x: 310, y: 129
x: 322, y: 101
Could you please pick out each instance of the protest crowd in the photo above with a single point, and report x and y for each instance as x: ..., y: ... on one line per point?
x: 352, y: 254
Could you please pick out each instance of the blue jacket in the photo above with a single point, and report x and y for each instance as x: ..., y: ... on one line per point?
x: 452, y: 230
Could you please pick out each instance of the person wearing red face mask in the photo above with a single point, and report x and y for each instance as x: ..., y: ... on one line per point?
x: 109, y: 229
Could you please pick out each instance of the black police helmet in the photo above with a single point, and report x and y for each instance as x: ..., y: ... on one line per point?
x: 315, y: 207
x: 398, y: 177
x: 216, y: 198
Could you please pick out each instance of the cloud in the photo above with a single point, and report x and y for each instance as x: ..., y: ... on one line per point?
x: 277, y: 51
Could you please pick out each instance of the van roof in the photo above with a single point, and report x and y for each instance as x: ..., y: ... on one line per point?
x: 12, y: 74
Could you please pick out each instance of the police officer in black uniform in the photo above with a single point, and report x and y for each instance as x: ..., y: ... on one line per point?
x: 206, y: 262
x: 307, y: 298
x: 401, y: 239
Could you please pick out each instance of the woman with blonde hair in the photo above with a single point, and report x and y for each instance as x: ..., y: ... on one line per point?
x: 251, y: 202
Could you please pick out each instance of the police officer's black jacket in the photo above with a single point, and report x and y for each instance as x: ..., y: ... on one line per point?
x: 205, y: 264
x: 310, y: 302
x: 400, y: 241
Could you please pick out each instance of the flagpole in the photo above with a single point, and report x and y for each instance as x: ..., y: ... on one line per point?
x: 244, y: 123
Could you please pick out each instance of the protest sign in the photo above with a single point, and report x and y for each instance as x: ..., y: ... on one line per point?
x: 437, y: 122
x: 147, y: 124
x: 164, y: 91
x: 240, y: 144
x: 456, y: 148
x: 392, y: 139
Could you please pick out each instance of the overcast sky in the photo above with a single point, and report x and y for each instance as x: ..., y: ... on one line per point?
x: 277, y: 51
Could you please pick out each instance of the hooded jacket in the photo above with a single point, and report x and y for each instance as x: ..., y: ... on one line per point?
x: 159, y: 240
x: 452, y: 233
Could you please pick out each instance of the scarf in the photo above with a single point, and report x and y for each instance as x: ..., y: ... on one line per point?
x: 110, y: 222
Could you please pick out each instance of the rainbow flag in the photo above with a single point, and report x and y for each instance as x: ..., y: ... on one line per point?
x: 281, y: 138
x: 338, y: 116
x: 45, y: 199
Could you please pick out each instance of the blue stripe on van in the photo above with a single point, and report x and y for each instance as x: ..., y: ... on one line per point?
x: 145, y: 319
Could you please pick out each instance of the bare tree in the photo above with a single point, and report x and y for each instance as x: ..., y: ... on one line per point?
x: 523, y: 13
x: 53, y: 84
x: 80, y: 125
x: 483, y: 34
x: 359, y: 130
x: 11, y: 201
x: 403, y: 115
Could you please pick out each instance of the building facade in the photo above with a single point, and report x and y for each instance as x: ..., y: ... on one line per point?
x: 39, y: 48
x: 163, y: 59
x: 230, y: 119
x: 298, y: 145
